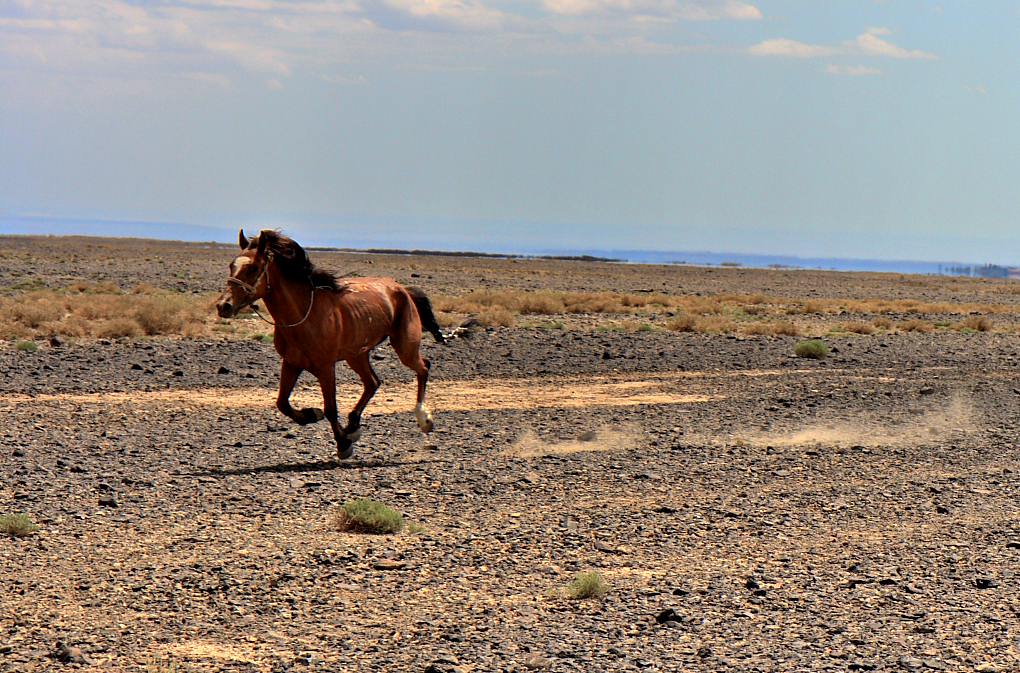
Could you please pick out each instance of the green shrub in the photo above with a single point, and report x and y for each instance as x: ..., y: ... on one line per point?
x: 27, y: 346
x: 17, y: 525
x: 811, y: 348
x: 587, y: 585
x: 368, y: 516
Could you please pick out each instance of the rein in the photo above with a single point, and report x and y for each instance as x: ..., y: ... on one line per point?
x: 252, y: 289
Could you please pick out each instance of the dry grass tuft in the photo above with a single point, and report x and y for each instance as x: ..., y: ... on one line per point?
x: 815, y: 349
x: 683, y: 323
x: 367, y: 516
x: 587, y: 585
x: 17, y: 525
x: 978, y: 323
x: 779, y: 328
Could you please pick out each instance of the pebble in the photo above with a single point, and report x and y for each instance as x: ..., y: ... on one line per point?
x: 69, y: 654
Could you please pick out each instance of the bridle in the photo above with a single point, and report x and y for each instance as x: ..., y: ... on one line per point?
x: 252, y: 290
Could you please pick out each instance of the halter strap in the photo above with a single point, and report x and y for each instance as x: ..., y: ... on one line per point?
x: 252, y: 289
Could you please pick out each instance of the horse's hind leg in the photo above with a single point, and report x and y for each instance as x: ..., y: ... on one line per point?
x: 362, y: 366
x: 421, y: 412
x: 288, y: 377
x: 413, y: 360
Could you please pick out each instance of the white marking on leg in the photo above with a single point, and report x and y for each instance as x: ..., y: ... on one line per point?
x: 424, y: 417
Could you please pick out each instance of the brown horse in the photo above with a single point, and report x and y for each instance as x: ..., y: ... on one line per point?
x: 320, y: 320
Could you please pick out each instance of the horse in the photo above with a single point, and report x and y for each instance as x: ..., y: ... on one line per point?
x: 320, y: 319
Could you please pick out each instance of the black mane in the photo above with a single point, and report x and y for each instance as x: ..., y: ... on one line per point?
x: 292, y: 260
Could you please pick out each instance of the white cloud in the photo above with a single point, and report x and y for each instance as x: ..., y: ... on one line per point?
x: 671, y: 10
x: 871, y: 44
x: 790, y: 48
x: 852, y: 70
x: 868, y: 43
x: 468, y: 14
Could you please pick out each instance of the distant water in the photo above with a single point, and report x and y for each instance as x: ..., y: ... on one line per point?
x: 784, y: 261
x: 174, y: 231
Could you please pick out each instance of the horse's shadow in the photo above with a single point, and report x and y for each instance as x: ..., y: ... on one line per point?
x: 305, y: 467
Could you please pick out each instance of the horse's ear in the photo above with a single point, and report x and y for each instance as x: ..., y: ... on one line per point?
x: 263, y: 240
x: 241, y: 239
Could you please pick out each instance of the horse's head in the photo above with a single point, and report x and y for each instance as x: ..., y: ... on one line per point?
x: 247, y: 282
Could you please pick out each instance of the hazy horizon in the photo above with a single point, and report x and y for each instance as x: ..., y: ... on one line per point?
x: 877, y: 130
x: 219, y: 235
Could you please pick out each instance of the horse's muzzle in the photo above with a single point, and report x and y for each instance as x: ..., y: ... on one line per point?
x: 225, y: 309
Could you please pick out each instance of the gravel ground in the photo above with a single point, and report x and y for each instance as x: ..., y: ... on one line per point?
x: 750, y: 511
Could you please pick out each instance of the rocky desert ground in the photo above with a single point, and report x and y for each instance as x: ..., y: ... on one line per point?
x: 748, y: 510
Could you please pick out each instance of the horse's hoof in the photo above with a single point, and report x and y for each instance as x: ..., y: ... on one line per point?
x: 354, y: 436
x: 344, y: 449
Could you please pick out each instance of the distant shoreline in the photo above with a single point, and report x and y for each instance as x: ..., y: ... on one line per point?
x: 651, y: 257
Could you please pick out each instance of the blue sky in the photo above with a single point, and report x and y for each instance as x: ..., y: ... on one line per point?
x: 855, y: 128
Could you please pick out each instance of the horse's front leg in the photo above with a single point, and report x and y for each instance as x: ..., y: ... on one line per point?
x: 327, y: 383
x: 288, y: 377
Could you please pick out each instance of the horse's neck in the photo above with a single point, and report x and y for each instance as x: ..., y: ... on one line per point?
x: 287, y: 301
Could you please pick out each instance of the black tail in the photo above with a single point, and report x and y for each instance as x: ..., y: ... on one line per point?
x: 428, y: 318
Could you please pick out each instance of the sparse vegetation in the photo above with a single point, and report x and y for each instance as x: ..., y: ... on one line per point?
x: 683, y: 323
x: 27, y: 346
x: 587, y: 585
x: 811, y: 348
x: 17, y: 525
x: 368, y: 516
x: 977, y: 323
x: 915, y: 326
x: 103, y: 310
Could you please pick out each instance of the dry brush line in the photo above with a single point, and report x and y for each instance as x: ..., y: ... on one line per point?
x: 103, y: 310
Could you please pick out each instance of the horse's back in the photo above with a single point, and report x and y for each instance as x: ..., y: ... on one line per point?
x: 374, y: 308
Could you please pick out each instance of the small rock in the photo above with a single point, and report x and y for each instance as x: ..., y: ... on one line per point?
x: 664, y: 509
x: 107, y: 500
x: 537, y: 662
x: 987, y: 668
x: 223, y: 370
x: 985, y: 583
x: 69, y: 654
x: 389, y: 564
x: 911, y: 663
x: 136, y: 367
x: 668, y: 615
x: 934, y: 664
x: 178, y: 372
x: 1013, y: 544
x: 926, y: 390
x: 56, y: 341
x: 608, y: 549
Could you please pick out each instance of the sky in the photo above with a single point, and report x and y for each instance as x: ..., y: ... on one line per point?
x: 846, y: 128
